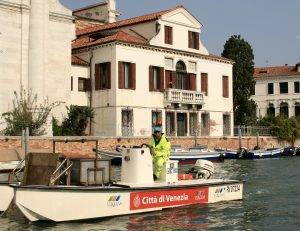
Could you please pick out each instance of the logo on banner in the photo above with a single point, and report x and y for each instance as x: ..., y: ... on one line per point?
x: 137, y: 201
x: 219, y: 192
x: 200, y: 195
x: 114, y: 201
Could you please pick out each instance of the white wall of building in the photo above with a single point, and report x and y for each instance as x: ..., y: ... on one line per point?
x: 77, y: 97
x: 263, y: 99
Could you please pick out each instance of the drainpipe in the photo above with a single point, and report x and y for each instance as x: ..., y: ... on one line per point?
x: 91, y: 90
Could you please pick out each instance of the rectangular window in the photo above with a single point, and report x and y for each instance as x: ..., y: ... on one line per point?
x: 193, y: 40
x: 127, y: 122
x: 156, y: 118
x: 205, y: 130
x: 156, y: 78
x: 226, y: 125
x: 296, y: 87
x: 284, y: 88
x: 170, y: 123
x: 270, y: 88
x: 127, y: 75
x: 168, y: 35
x: 193, y: 124
x: 225, y: 87
x: 204, y: 83
x: 71, y: 83
x: 102, y: 76
x: 82, y: 84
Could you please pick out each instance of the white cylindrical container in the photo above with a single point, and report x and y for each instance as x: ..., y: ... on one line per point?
x: 137, y: 167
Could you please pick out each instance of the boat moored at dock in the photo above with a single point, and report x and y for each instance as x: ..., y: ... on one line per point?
x: 136, y: 192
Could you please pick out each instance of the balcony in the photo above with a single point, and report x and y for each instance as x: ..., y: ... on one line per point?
x: 178, y: 96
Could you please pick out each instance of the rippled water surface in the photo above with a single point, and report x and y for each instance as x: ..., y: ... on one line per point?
x: 271, y: 202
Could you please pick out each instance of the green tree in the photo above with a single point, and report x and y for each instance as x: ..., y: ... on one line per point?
x: 283, y: 128
x: 27, y: 111
x: 240, y: 51
x: 75, y: 123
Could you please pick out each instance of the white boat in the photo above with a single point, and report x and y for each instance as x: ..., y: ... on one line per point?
x: 6, y: 195
x: 137, y: 192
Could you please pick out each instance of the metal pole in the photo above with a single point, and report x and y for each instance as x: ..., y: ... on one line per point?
x: 240, y: 137
x: 257, y: 139
x: 26, y: 141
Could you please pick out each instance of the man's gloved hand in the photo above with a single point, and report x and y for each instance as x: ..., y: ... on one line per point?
x: 151, y: 150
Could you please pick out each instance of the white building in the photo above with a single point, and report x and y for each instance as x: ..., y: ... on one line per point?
x: 135, y: 73
x: 35, y: 45
x: 154, y: 69
x: 277, y: 91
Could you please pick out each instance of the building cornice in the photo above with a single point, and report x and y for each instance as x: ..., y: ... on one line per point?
x: 157, y: 49
x: 13, y: 6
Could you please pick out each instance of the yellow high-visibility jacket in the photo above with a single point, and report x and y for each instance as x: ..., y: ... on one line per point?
x: 162, y: 149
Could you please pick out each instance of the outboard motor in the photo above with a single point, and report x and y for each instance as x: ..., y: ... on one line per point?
x: 242, y: 153
x: 203, y: 169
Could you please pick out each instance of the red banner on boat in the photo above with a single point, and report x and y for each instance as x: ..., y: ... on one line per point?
x: 166, y: 198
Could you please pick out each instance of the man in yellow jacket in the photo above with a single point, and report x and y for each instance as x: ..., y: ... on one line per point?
x: 160, y: 149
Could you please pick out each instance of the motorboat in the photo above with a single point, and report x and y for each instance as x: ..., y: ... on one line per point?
x: 136, y: 192
x: 184, y: 156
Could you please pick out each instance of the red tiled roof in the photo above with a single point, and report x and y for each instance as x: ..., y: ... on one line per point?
x: 119, y: 36
x: 89, y: 7
x: 275, y: 71
x: 84, y: 23
x: 78, y: 61
x: 126, y: 22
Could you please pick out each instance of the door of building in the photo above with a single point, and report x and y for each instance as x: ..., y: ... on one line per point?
x: 181, y: 124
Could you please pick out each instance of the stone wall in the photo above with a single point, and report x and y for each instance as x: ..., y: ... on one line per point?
x: 109, y: 143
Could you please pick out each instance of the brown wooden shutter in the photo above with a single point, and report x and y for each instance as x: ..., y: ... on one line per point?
x: 87, y: 85
x: 204, y: 83
x: 108, y: 75
x: 168, y: 79
x: 174, y: 79
x: 162, y: 79
x: 166, y: 35
x: 151, y: 78
x: 97, y: 77
x: 225, y: 87
x: 192, y: 82
x: 121, y: 75
x: 190, y: 39
x: 170, y: 35
x: 197, y: 41
x: 132, y: 76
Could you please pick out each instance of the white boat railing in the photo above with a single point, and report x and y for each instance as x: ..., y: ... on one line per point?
x: 184, y: 96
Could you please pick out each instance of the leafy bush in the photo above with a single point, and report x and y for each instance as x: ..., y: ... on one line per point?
x: 76, y: 122
x: 27, y: 112
x: 282, y: 127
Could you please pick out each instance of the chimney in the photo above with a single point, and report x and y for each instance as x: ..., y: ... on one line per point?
x: 112, y: 13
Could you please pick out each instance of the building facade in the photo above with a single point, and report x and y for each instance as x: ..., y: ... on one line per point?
x: 277, y: 91
x: 153, y: 69
x: 35, y: 44
x: 135, y: 73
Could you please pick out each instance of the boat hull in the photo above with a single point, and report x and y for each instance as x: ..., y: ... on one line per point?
x: 78, y: 203
x: 6, y: 195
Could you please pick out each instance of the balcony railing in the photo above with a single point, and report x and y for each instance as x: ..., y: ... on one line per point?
x: 183, y: 97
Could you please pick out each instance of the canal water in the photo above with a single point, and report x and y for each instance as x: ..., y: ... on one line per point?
x: 271, y: 202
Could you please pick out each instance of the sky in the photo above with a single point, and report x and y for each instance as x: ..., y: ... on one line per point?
x: 270, y: 26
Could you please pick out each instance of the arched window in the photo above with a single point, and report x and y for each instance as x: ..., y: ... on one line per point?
x: 284, y: 109
x: 181, y: 76
x: 271, y: 110
x: 297, y: 109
